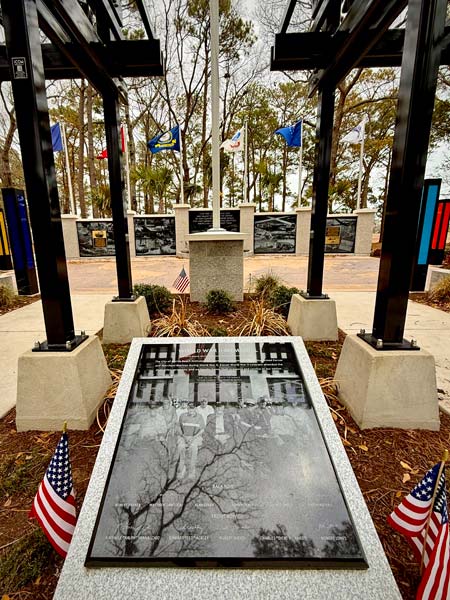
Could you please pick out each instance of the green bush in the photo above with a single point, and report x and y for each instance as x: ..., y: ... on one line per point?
x: 158, y: 297
x: 280, y: 298
x: 218, y: 331
x: 6, y: 296
x: 441, y: 291
x: 265, y: 284
x: 219, y: 302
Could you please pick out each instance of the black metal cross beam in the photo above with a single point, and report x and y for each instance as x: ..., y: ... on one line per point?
x: 310, y: 50
x: 125, y: 58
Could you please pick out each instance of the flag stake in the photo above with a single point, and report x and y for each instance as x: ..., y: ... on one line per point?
x: 65, y: 427
x: 436, y: 487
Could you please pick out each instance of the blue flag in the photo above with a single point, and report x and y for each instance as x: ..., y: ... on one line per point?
x: 169, y: 140
x: 56, y: 138
x: 292, y: 134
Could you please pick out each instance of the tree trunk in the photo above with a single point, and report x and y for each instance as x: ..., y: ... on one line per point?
x: 81, y: 124
x: 5, y: 164
x: 131, y: 149
x: 90, y: 139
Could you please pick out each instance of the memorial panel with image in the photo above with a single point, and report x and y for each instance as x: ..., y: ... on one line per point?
x: 340, y: 235
x: 221, y: 462
x: 96, y: 238
x: 275, y: 234
x: 154, y: 235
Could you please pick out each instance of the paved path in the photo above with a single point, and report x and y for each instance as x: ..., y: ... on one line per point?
x: 351, y: 281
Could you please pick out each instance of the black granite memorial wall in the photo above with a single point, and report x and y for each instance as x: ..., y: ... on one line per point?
x: 154, y: 235
x: 275, y: 234
x: 96, y: 238
x: 202, y: 220
x: 340, y: 235
x: 221, y: 462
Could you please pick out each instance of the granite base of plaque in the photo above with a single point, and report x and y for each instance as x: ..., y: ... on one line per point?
x: 392, y: 388
x: 216, y: 262
x: 53, y: 387
x: 221, y: 474
x: 313, y: 320
x: 125, y: 321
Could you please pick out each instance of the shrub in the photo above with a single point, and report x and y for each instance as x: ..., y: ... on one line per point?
x: 158, y: 297
x: 280, y: 299
x: 178, y: 323
x: 262, y: 321
x: 441, y: 291
x: 218, y: 331
x: 265, y: 284
x: 6, y: 296
x: 219, y: 302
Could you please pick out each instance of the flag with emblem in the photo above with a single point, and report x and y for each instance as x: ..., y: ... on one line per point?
x: 422, y: 517
x: 54, y: 503
x: 182, y: 281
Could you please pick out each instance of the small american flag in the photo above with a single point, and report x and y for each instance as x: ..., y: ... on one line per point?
x: 424, y: 520
x: 182, y: 281
x: 54, y: 503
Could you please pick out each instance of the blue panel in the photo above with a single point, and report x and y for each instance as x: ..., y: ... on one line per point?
x: 427, y: 227
x: 25, y: 231
x: 14, y: 231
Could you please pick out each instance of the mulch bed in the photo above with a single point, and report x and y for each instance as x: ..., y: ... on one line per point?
x: 387, y: 464
x: 18, y: 302
x: 423, y: 298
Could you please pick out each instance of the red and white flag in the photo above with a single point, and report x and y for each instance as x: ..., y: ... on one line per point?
x: 54, y: 503
x: 423, y: 518
x: 182, y: 281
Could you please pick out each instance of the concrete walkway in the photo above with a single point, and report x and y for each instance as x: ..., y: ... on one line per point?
x: 351, y: 281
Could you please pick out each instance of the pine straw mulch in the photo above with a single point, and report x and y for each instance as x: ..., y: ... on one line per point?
x: 19, y: 302
x: 387, y: 464
x: 424, y: 298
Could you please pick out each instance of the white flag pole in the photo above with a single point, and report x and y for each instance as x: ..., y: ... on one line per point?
x: 245, y: 161
x: 127, y: 164
x: 69, y: 178
x: 361, y: 154
x: 300, y: 168
x: 215, y: 108
x: 181, y: 167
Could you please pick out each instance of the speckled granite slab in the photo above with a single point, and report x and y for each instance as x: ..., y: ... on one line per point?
x: 78, y: 582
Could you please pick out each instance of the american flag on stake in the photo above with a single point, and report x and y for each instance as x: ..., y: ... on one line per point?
x: 422, y: 517
x: 54, y: 503
x: 182, y: 281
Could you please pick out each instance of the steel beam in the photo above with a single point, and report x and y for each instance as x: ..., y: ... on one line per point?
x: 424, y: 30
x: 319, y: 208
x: 118, y: 202
x: 285, y: 21
x: 107, y: 17
x: 145, y: 16
x: 364, y: 24
x: 127, y: 58
x: 20, y: 20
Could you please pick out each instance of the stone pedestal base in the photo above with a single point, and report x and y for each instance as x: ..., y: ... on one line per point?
x: 125, y: 321
x: 53, y: 387
x: 216, y: 262
x: 313, y: 320
x: 391, y: 388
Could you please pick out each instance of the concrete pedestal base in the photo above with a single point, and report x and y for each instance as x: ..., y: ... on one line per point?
x: 392, y: 388
x: 216, y: 262
x: 125, y: 321
x: 53, y: 387
x: 314, y: 320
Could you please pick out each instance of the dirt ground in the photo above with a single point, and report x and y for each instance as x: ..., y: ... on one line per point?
x: 387, y: 464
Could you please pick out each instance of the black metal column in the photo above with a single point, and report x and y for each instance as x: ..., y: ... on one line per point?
x: 27, y: 77
x: 420, y: 63
x: 321, y: 179
x: 118, y: 201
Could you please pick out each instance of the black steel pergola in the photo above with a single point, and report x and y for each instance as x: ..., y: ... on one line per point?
x: 86, y: 40
x: 355, y: 33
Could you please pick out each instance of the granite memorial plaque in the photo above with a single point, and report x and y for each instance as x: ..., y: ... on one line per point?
x: 275, y: 234
x: 202, y: 220
x: 221, y: 462
x: 96, y: 238
x: 154, y: 235
x: 340, y: 235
